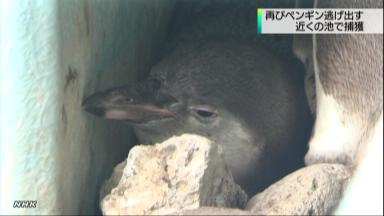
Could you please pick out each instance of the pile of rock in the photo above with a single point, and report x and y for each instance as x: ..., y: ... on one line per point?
x: 186, y: 175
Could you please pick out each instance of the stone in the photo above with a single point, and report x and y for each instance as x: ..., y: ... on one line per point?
x: 213, y: 211
x: 312, y: 190
x: 184, y: 172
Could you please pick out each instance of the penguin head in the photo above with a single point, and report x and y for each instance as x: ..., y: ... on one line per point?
x: 150, y: 108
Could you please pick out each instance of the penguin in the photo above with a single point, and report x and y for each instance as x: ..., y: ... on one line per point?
x: 346, y: 88
x: 238, y: 94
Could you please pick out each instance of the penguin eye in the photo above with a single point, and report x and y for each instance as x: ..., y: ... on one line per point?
x: 205, y: 112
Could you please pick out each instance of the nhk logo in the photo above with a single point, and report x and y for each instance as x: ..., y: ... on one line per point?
x: 25, y: 204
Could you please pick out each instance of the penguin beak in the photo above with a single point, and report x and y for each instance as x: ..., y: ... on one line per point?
x: 138, y: 104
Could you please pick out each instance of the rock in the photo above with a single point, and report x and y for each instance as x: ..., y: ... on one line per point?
x: 313, y: 190
x: 213, y: 211
x: 184, y: 172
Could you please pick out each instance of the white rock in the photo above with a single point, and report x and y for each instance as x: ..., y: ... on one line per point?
x: 213, y: 211
x: 313, y: 190
x: 184, y: 172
